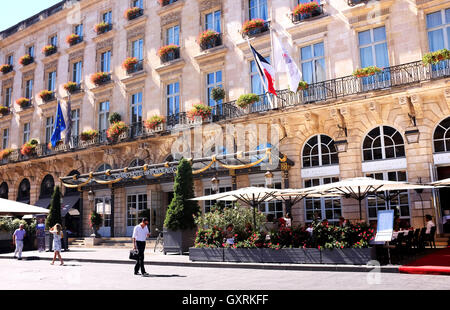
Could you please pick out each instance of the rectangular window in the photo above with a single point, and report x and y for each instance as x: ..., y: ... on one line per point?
x: 258, y: 9
x: 136, y: 108
x: 8, y: 96
x: 75, y: 122
x: 313, y: 63
x: 51, y: 81
x: 53, y: 40
x: 137, y: 4
x: 29, y: 89
x: 135, y: 205
x: 212, y: 21
x: 78, y: 30
x: 77, y: 71
x: 48, y: 129
x: 5, y: 138
x: 137, y: 49
x: 208, y: 204
x: 322, y: 208
x: 173, y: 99
x: 173, y: 35
x: 105, y: 62
x: 26, y: 132
x: 438, y: 28
x: 103, y: 207
x: 107, y: 17
x: 30, y: 50
x: 272, y: 207
x: 214, y: 80
x: 103, y: 116
x: 373, y: 48
x: 10, y: 59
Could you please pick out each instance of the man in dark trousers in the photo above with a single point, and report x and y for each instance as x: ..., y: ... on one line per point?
x: 140, y: 235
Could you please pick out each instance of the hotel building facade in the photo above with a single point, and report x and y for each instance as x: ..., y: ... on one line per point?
x: 393, y: 125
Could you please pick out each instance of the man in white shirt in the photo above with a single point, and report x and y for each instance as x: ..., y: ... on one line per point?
x: 429, y: 224
x: 140, y: 235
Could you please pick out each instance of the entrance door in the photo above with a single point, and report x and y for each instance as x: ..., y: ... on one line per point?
x: 444, y: 193
x: 103, y: 207
x: 136, y: 203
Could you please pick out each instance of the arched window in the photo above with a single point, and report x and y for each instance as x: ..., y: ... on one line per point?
x: 383, y: 142
x: 104, y: 167
x: 24, y: 191
x: 319, y: 151
x: 47, y: 186
x: 4, y: 190
x: 441, y: 137
x: 137, y: 163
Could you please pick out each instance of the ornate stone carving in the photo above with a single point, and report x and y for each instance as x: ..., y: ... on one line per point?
x: 51, y: 65
x: 8, y: 83
x: 77, y: 54
x: 170, y: 18
x: 375, y: 111
x: 105, y: 44
x: 136, y: 32
x: 28, y: 75
x: 416, y: 101
x: 209, y: 4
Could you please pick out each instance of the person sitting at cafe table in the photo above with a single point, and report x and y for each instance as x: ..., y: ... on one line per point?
x: 430, y: 223
x: 343, y: 222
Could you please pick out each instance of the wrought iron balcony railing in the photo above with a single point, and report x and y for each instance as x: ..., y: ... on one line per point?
x: 172, y: 55
x: 213, y: 42
x: 297, y: 18
x: 136, y: 15
x: 167, y: 2
x: 139, y: 66
x: 257, y: 31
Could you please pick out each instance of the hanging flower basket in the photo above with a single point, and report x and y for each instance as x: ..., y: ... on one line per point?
x: 73, y: 39
x: 29, y: 148
x: 116, y: 130
x: 208, y: 39
x: 102, y: 27
x: 368, y: 71
x: 49, y: 49
x: 5, y: 153
x: 154, y: 122
x: 71, y: 87
x: 253, y: 24
x: 23, y: 102
x: 88, y: 135
x: 302, y: 85
x: 6, y: 68
x: 129, y: 63
x: 433, y: 58
x: 217, y: 94
x: 166, y: 51
x: 46, y: 95
x: 305, y: 8
x: 246, y: 100
x: 133, y: 13
x: 199, y: 110
x: 26, y: 60
x: 4, y: 110
x: 100, y: 78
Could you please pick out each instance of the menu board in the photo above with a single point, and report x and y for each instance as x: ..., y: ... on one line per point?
x: 385, y: 226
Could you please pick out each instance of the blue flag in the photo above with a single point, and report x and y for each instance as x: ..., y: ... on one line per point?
x: 59, y: 126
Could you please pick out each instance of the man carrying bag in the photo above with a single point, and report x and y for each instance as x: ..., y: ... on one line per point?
x: 140, y: 235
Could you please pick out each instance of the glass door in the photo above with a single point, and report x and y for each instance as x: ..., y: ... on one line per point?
x: 103, y: 207
x: 136, y: 203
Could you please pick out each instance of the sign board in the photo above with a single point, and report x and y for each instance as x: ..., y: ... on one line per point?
x: 385, y: 226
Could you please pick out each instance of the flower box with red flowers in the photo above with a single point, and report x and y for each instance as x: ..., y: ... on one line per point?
x: 100, y: 78
x: 133, y: 13
x: 47, y: 95
x: 29, y: 148
x: 23, y: 102
x: 116, y: 130
x: 58, y: 144
x: 73, y: 39
x: 25, y: 60
x: 71, y: 87
x: 130, y: 64
x: 4, y: 110
x: 433, y: 58
x: 166, y: 2
x: 254, y: 27
x: 154, y: 122
x: 88, y: 135
x: 169, y: 52
x: 306, y: 10
x: 199, y: 111
x: 6, y: 68
x: 4, y: 154
x: 102, y: 27
x: 368, y: 71
x: 49, y: 50
x: 209, y: 39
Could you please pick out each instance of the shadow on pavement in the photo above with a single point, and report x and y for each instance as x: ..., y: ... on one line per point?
x: 165, y: 276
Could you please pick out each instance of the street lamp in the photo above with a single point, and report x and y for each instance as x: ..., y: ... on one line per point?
x: 341, y: 143
x: 215, y: 184
x: 91, y: 195
x: 269, y: 179
x: 412, y: 135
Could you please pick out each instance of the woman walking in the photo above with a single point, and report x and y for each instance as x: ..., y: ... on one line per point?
x: 57, y: 235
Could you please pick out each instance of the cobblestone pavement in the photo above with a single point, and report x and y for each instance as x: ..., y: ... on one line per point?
x: 75, y: 275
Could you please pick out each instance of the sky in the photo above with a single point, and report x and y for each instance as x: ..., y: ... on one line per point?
x: 14, y: 11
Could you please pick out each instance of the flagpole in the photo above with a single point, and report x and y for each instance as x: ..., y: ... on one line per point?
x: 262, y: 78
x: 272, y: 57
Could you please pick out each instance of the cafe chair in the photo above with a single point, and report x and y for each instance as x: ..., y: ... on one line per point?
x: 415, y: 241
x: 429, y: 238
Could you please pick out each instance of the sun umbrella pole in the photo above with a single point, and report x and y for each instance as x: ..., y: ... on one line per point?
x: 360, y: 202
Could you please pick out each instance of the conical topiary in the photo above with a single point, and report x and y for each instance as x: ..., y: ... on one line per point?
x: 181, y: 211
x: 54, y: 217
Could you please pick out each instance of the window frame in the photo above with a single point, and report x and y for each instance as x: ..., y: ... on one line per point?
x: 323, y: 200
x: 320, y: 155
x: 382, y: 146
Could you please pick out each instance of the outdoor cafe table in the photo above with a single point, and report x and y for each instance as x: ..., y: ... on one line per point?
x: 395, y: 233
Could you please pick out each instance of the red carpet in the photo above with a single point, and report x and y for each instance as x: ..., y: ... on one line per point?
x: 437, y: 263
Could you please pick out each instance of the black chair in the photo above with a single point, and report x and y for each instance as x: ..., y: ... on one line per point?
x: 415, y: 241
x: 398, y: 243
x: 409, y: 241
x: 429, y: 238
x: 422, y: 238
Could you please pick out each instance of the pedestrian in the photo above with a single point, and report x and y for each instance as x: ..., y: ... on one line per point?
x: 18, y: 237
x: 57, y: 236
x: 229, y: 235
x: 140, y: 235
x: 288, y: 220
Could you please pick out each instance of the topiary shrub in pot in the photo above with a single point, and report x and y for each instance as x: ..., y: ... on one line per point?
x: 217, y: 94
x: 246, y: 100
x: 114, y: 118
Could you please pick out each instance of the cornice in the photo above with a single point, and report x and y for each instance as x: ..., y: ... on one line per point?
x: 105, y: 36
x: 216, y: 54
x: 136, y: 22
x: 6, y: 119
x: 101, y: 88
x: 170, y: 8
x: 9, y: 75
x: 24, y: 113
x: 76, y: 47
x: 51, y: 58
x: 30, y: 67
x: 169, y: 67
x: 134, y: 78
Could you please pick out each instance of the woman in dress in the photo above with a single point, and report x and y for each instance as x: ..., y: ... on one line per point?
x: 57, y: 235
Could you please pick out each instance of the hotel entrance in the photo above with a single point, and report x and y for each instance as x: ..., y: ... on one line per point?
x: 444, y: 194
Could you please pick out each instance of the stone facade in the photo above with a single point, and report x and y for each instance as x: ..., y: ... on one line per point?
x: 407, y: 41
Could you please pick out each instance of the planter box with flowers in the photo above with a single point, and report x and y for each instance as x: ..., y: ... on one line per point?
x: 368, y: 71
x: 100, y: 78
x: 133, y: 13
x: 117, y: 131
x: 4, y: 110
x: 302, y: 85
x: 198, y: 112
x: 88, y: 135
x: 5, y: 69
x: 71, y: 87
x: 102, y: 28
x: 23, y: 103
x: 4, y: 154
x: 169, y: 52
x: 29, y: 148
x: 244, y: 101
x: 306, y: 10
x: 73, y: 39
x: 25, y: 60
x: 49, y: 50
x: 47, y: 95
x: 132, y: 65
x: 433, y: 58
x: 254, y: 27
x: 209, y: 39
x: 154, y: 124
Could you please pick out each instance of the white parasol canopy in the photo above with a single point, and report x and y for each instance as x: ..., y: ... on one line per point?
x: 445, y: 182
x: 9, y: 207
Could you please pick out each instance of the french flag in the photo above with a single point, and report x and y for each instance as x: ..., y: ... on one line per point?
x: 266, y: 70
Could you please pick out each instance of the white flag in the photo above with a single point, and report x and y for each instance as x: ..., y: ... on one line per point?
x: 284, y: 63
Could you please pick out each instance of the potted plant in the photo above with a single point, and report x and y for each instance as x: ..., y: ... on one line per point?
x: 250, y: 26
x: 217, y: 94
x: 6, y: 68
x: 49, y: 50
x: 96, y: 221
x: 433, y: 58
x: 306, y: 8
x: 199, y: 110
x: 114, y: 118
x: 5, y: 153
x: 73, y: 39
x: 179, y: 232
x: 23, y: 102
x: 368, y: 71
x: 208, y: 39
x: 153, y: 122
x: 50, y: 146
x: 129, y: 63
x: 88, y: 135
x: 46, y: 95
x: 26, y: 60
x: 302, y: 85
x: 169, y: 52
x: 115, y: 130
x: 71, y: 87
x: 4, y: 110
x: 133, y: 13
x: 100, y: 78
x: 29, y: 148
x: 102, y: 27
x: 246, y: 100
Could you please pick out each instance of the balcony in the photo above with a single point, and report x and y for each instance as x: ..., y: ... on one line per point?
x: 135, y: 15
x: 170, y: 56
x: 139, y: 66
x: 211, y: 43
x: 297, y: 18
x: 103, y: 28
x: 51, y: 51
x: 75, y: 41
x: 5, y: 69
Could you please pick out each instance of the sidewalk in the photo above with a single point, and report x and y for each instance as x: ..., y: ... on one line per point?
x: 120, y: 256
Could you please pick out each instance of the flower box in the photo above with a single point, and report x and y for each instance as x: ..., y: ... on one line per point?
x: 102, y: 27
x: 306, y: 10
x: 247, y: 100
x: 29, y: 148
x: 435, y: 57
x: 368, y: 71
x: 71, y: 87
x: 206, y: 254
x: 116, y: 130
x: 25, y: 60
x: 132, y: 64
x: 199, y: 110
x: 4, y: 110
x: 100, y: 78
x: 47, y: 95
x: 242, y: 255
x: 254, y: 27
x: 4, y: 154
x: 209, y: 39
x: 49, y: 50
x: 302, y: 85
x: 58, y: 144
x: 73, y: 39
x: 169, y: 53
x: 154, y: 122
x: 6, y: 68
x: 23, y: 102
x: 133, y: 13
x: 88, y: 135
x: 348, y: 256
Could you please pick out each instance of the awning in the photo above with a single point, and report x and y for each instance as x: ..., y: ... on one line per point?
x: 9, y: 207
x: 68, y: 203
x: 43, y: 203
